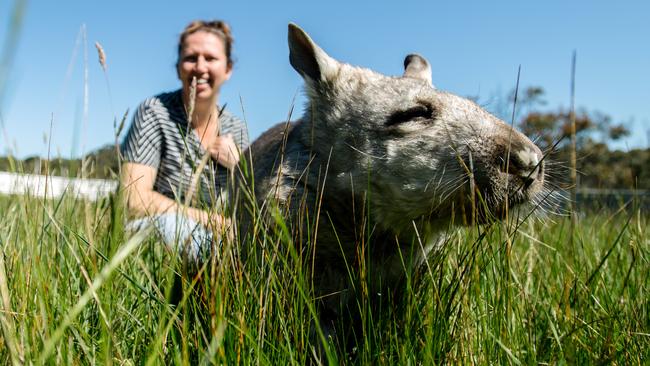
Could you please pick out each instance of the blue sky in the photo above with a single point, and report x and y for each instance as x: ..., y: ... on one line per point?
x: 475, y: 48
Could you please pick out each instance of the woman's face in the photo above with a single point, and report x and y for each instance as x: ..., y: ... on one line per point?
x: 203, y: 56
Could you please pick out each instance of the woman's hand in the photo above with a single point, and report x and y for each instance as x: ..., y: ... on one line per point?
x: 224, y: 151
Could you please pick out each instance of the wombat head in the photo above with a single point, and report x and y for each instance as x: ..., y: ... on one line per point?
x: 422, y: 153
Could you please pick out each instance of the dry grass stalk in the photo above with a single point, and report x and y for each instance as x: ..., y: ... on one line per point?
x: 574, y: 175
x: 192, y: 101
x: 101, y: 54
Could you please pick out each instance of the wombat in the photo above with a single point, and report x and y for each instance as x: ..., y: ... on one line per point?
x: 379, y: 166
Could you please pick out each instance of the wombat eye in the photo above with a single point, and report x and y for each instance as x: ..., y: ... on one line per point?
x: 414, y: 113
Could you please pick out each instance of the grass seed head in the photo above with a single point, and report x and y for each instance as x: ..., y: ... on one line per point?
x: 101, y: 54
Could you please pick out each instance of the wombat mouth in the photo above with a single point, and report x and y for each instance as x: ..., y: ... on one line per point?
x: 488, y: 204
x: 481, y: 215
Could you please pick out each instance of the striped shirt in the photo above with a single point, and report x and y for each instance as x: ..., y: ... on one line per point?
x: 161, y: 137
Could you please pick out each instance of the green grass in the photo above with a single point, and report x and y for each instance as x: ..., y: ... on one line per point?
x: 76, y: 289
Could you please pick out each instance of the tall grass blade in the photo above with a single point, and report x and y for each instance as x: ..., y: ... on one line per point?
x: 121, y: 255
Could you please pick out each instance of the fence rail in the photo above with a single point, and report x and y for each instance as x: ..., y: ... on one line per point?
x: 55, y: 187
x: 590, y: 198
x: 92, y: 189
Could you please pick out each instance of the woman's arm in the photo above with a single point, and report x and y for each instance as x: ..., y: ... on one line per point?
x: 138, y: 180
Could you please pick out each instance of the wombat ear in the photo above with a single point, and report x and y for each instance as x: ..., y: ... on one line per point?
x: 307, y: 58
x: 416, y: 66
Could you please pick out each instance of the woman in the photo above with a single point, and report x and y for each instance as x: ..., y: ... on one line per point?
x: 181, y: 147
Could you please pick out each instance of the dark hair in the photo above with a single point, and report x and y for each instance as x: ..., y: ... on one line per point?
x: 217, y: 27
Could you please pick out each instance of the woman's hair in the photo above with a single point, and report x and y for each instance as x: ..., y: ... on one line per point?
x: 217, y: 27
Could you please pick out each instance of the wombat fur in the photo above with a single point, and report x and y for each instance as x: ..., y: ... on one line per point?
x: 379, y: 166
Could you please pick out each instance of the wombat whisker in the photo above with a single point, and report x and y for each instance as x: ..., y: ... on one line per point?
x: 558, y: 199
x: 551, y: 202
x: 445, y: 192
x: 547, y: 213
x: 530, y: 213
x: 454, y: 182
x: 440, y: 186
x: 557, y: 165
x: 367, y: 154
x: 442, y: 174
x: 554, y: 186
x: 535, y: 139
x: 450, y: 188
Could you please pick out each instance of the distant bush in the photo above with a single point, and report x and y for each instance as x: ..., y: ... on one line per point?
x: 102, y: 163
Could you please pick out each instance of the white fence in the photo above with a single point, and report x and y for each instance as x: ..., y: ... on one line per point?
x: 40, y: 185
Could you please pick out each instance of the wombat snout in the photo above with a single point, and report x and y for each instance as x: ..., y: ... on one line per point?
x: 524, y: 160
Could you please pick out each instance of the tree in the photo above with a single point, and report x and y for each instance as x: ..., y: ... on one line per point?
x: 597, y: 165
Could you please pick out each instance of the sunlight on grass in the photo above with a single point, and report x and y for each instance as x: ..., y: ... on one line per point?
x: 73, y: 292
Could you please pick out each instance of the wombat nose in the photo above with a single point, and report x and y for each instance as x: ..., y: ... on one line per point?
x: 527, y: 164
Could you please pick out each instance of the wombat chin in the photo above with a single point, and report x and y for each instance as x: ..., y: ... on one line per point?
x: 485, y: 206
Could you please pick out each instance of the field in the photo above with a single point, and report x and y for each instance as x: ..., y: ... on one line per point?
x: 77, y: 289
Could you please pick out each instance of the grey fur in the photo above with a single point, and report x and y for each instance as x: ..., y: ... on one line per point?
x: 388, y: 155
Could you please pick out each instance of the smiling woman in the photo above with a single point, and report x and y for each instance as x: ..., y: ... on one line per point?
x: 204, y: 52
x: 182, y: 147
